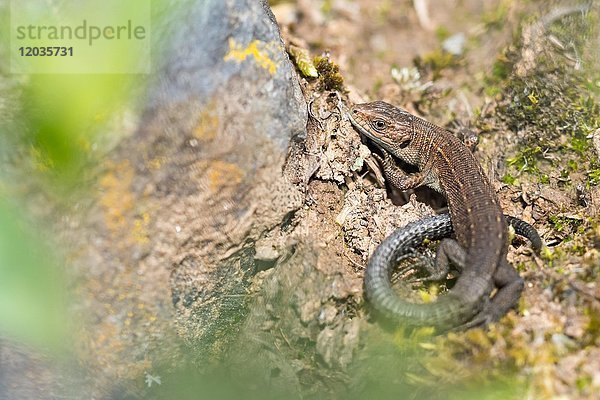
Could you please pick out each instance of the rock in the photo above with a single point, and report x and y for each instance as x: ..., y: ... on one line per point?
x: 220, y: 113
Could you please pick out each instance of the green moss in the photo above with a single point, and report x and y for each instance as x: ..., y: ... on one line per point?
x: 492, y: 91
x: 521, y: 267
x: 509, y: 179
x: 442, y: 33
x: 303, y: 61
x: 496, y: 18
x: 564, y: 223
x: 554, y: 108
x: 526, y: 160
x: 583, y: 382
x: 383, y: 10
x: 549, y: 255
x: 436, y: 61
x: 501, y: 69
x: 579, y: 146
x: 549, y: 107
x: 329, y: 74
x: 578, y: 249
x: 327, y: 7
x: 377, y: 85
x: 594, y: 176
x: 593, y: 326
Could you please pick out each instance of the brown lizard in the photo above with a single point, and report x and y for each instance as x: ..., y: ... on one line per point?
x: 481, y: 239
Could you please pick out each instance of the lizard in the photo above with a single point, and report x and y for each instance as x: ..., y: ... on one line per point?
x: 481, y: 235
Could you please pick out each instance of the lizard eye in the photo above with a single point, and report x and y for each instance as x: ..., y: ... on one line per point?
x: 379, y: 124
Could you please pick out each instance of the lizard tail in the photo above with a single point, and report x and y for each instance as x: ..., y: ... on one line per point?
x: 449, y: 310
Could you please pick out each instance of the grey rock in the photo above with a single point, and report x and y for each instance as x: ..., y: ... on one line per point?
x: 221, y: 110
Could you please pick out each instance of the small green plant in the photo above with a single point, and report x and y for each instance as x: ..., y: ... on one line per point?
x: 329, y: 74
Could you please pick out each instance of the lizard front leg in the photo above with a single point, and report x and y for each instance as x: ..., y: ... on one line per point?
x: 396, y: 176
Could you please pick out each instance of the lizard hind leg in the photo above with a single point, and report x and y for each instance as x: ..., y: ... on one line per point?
x: 509, y: 286
x: 449, y: 252
x: 416, y: 261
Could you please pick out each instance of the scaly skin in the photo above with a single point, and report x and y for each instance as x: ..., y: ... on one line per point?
x: 402, y: 242
x: 480, y: 229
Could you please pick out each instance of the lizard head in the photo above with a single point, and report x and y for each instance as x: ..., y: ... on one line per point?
x: 389, y: 127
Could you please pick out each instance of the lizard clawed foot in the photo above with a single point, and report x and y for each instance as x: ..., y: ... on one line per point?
x: 479, y: 321
x: 411, y: 254
x: 485, y: 317
x: 378, y: 158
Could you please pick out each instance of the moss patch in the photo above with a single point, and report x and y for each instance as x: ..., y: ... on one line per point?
x: 329, y: 74
x: 553, y: 110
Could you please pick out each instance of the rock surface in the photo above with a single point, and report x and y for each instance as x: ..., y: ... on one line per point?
x: 215, y: 133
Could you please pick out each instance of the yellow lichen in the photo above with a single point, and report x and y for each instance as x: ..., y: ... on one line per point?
x: 118, y: 203
x: 222, y: 174
x: 257, y: 49
x: 116, y: 198
x: 41, y: 162
x: 208, y: 124
x: 140, y: 234
x: 155, y: 163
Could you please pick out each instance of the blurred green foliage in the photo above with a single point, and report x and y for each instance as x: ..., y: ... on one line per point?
x: 65, y: 115
x: 49, y: 125
x: 32, y: 302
